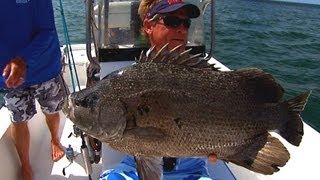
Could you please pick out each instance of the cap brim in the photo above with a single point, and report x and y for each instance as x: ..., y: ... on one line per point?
x: 192, y: 10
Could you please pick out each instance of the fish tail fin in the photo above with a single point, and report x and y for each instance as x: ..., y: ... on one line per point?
x: 292, y: 131
x: 265, y: 156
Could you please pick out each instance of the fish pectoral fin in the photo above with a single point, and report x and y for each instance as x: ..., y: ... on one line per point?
x: 145, y: 133
x: 149, y: 167
x: 265, y: 160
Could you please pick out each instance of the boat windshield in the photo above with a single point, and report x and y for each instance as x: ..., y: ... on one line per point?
x: 122, y: 27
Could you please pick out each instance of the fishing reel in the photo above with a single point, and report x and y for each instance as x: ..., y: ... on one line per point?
x: 76, y: 132
x: 92, y: 144
x: 70, y: 155
x: 90, y: 150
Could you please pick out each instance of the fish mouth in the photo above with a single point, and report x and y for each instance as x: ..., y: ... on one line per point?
x: 68, y: 108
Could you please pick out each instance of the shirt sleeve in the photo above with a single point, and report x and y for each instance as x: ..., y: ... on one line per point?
x: 44, y: 40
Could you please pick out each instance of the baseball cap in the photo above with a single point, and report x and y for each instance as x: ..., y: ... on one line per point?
x: 167, y: 6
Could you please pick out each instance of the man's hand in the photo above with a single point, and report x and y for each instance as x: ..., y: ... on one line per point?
x: 15, y: 72
x: 213, y: 158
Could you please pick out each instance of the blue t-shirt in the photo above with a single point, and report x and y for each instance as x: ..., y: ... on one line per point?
x: 28, y: 30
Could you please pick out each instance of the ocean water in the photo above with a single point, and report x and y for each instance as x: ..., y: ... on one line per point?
x: 280, y: 38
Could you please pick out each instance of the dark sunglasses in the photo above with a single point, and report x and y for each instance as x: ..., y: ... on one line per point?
x: 174, y: 21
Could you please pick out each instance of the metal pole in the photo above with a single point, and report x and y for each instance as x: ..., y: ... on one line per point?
x: 212, y: 30
x: 88, y: 29
x: 106, y: 23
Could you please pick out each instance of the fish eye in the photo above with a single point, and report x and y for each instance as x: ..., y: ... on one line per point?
x: 88, y: 101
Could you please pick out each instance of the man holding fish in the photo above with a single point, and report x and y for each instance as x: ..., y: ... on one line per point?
x: 171, y: 105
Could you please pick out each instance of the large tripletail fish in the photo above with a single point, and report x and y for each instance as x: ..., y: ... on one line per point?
x: 169, y: 105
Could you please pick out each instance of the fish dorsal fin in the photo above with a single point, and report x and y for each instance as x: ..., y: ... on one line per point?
x: 164, y: 55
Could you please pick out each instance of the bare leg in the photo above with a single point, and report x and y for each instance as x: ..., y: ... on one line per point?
x: 53, y: 122
x: 21, y: 138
